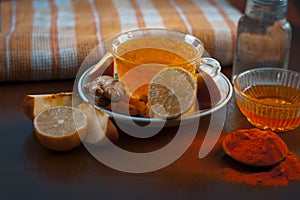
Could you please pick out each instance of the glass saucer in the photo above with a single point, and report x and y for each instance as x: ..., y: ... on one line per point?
x: 222, y: 82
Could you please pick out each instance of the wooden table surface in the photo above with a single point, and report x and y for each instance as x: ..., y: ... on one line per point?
x: 28, y: 170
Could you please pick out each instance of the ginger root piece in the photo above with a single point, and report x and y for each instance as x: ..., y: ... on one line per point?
x: 106, y: 86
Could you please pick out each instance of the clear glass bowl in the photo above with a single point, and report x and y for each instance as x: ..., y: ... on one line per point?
x: 269, y: 98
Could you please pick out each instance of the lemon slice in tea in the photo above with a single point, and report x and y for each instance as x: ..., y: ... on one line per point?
x: 60, y: 128
x: 172, y: 92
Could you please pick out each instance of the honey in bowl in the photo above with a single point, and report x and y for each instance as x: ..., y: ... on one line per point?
x: 275, y: 95
x: 269, y: 98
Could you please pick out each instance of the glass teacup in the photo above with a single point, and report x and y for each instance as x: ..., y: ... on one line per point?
x: 139, y: 54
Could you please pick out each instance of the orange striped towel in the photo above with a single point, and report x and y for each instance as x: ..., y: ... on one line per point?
x: 49, y: 39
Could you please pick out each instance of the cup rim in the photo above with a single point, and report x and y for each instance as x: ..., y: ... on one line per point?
x: 198, y: 56
x: 250, y: 98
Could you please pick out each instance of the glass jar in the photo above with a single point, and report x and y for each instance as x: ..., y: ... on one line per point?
x: 263, y: 36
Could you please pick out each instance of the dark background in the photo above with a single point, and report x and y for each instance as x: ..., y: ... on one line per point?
x: 29, y: 171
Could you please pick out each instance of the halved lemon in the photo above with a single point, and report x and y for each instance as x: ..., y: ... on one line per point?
x: 172, y: 92
x: 34, y: 103
x: 99, y: 125
x: 60, y: 128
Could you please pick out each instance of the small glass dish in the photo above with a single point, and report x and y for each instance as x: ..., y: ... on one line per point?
x: 269, y: 98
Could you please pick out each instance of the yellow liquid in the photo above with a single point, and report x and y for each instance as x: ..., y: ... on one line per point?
x: 274, y: 94
x: 272, y: 118
x: 137, y: 67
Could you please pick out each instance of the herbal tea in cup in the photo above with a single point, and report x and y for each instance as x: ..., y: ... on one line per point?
x: 140, y: 54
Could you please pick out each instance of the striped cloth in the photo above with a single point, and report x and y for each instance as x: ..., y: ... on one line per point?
x: 49, y: 39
